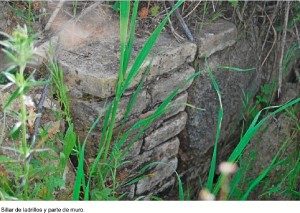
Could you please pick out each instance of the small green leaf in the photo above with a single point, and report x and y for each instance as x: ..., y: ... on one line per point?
x: 10, y: 77
x: 154, y: 10
x: 10, y: 56
x: 234, y: 3
x: 36, y: 83
x: 69, y: 141
x: 116, y: 6
x: 15, y: 132
x: 14, y: 96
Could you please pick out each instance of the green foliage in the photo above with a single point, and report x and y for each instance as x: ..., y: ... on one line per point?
x: 38, y: 176
x: 220, y: 117
x: 155, y: 10
x: 234, y: 3
x: 254, y: 127
x: 116, y: 6
x: 18, y: 48
x: 294, y: 19
x: 27, y: 14
x: 267, y: 91
x: 57, y: 81
x: 236, y: 191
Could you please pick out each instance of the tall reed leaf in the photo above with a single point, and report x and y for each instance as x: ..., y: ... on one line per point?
x: 129, y: 46
x: 124, y: 18
x: 80, y: 177
x: 220, y: 117
x: 254, y: 127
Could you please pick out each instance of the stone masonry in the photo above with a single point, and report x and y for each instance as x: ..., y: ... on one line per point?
x: 91, y: 70
x: 159, y: 143
x: 91, y: 74
x: 89, y: 55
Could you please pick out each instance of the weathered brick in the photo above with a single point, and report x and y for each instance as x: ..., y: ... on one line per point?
x: 215, y: 37
x: 168, y: 130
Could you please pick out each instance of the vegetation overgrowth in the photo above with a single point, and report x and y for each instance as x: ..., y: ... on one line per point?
x: 35, y: 166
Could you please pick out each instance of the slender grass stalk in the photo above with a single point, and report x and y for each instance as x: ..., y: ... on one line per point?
x: 80, y: 177
x: 57, y: 79
x: 220, y: 117
x: 124, y: 17
x: 262, y: 175
x: 24, y: 133
x: 254, y: 127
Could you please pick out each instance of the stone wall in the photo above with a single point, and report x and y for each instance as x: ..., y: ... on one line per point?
x: 90, y: 71
x: 218, y: 41
x: 91, y: 74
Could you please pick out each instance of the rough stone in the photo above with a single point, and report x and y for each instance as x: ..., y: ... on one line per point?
x: 134, y: 150
x: 42, y: 51
x: 215, y: 37
x: 168, y: 130
x: 173, y: 108
x: 176, y: 106
x: 129, y: 192
x: 201, y: 125
x: 85, y: 112
x: 3, y: 17
x: 161, y: 187
x: 4, y: 61
x: 82, y: 124
x: 166, y: 150
x: 162, y: 171
x: 168, y: 183
x: 165, y: 85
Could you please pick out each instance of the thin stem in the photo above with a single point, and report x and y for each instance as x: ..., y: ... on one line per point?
x: 111, y: 127
x: 24, y: 140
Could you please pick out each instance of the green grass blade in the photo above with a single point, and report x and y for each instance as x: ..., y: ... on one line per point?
x: 236, y: 69
x: 212, y: 169
x: 105, y: 127
x: 19, y: 13
x: 11, y: 56
x: 123, y: 85
x: 13, y: 97
x: 235, y: 181
x: 79, y: 175
x: 146, y: 49
x: 100, y: 151
x: 262, y: 175
x: 69, y: 143
x: 130, y: 106
x: 79, y: 181
x: 124, y: 18
x: 129, y: 46
x: 135, y: 95
x: 180, y: 187
x: 251, y: 132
